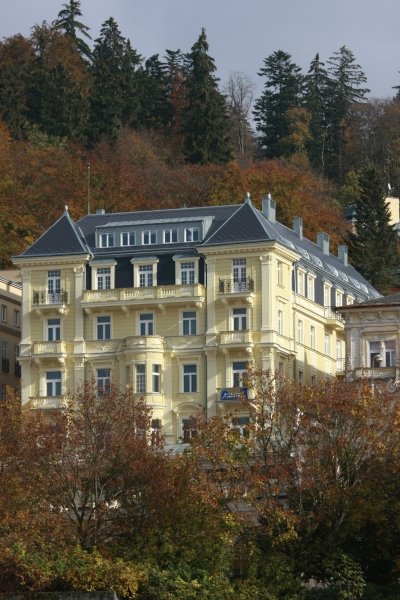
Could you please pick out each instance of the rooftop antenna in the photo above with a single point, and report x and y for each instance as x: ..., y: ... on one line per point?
x: 88, y: 189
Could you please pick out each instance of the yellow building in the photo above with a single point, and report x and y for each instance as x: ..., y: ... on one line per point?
x: 177, y: 303
x: 10, y: 330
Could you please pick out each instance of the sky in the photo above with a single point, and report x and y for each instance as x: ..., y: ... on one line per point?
x: 242, y: 33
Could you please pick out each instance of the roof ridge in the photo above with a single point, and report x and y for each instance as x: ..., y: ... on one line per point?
x: 240, y: 207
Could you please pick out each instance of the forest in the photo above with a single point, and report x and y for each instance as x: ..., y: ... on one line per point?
x: 307, y: 492
x: 92, y: 123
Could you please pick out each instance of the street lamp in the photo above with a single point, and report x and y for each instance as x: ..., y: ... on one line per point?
x: 375, y: 359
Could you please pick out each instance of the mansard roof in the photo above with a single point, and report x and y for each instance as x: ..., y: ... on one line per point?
x: 226, y: 225
x: 63, y: 238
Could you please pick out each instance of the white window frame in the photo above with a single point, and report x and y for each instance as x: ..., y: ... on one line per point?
x: 301, y: 282
x: 280, y: 273
x: 240, y: 369
x: 189, y: 322
x: 239, y: 319
x: 130, y: 238
x: 97, y: 267
x: 146, y: 276
x: 300, y: 331
x: 54, y: 384
x: 182, y: 260
x: 146, y: 324
x: 239, y: 272
x: 327, y: 295
x: 103, y: 278
x: 17, y: 318
x: 140, y: 378
x: 240, y: 426
x: 189, y: 378
x: 106, y: 239
x: 188, y: 272
x: 103, y: 327
x: 156, y: 379
x: 149, y: 237
x: 192, y: 234
x: 281, y: 322
x: 170, y: 236
x: 313, y: 337
x: 53, y: 285
x: 327, y: 344
x: 338, y: 297
x: 311, y: 287
x: 103, y: 381
x: 349, y: 300
x: 53, y: 330
x: 141, y: 262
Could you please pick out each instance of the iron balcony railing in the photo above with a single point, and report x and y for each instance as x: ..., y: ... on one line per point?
x: 233, y: 286
x: 45, y: 297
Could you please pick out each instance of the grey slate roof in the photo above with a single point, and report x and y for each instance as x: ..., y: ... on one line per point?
x: 62, y: 238
x: 391, y: 300
x: 230, y: 224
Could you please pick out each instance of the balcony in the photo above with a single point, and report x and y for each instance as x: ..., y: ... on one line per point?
x: 49, y: 349
x: 232, y: 394
x: 374, y: 374
x: 236, y: 338
x: 232, y: 286
x: 48, y: 402
x: 44, y: 298
x: 181, y: 342
x: 131, y: 296
x: 334, y: 319
x: 146, y: 342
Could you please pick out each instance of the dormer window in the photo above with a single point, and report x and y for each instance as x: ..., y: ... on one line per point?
x: 149, y: 237
x: 103, y: 274
x: 192, y: 234
x: 128, y: 238
x: 170, y: 236
x: 106, y: 240
x: 186, y: 269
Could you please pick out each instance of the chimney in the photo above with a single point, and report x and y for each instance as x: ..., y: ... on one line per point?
x: 100, y: 211
x: 298, y: 226
x: 343, y: 254
x: 323, y: 242
x: 269, y: 208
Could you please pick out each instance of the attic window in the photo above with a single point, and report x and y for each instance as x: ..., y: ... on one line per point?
x: 192, y: 234
x: 106, y: 240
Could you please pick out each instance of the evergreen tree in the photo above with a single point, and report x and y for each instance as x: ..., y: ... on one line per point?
x: 316, y: 94
x: 345, y: 89
x: 68, y: 23
x: 130, y: 82
x: 174, y: 81
x: 373, y: 246
x: 282, y: 92
x: 205, y: 118
x: 17, y: 61
x: 109, y: 83
x: 154, y: 106
x: 58, y: 97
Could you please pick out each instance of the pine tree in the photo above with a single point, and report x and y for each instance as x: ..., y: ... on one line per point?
x: 68, y: 23
x: 109, y: 83
x: 58, y: 97
x: 154, y: 104
x: 345, y: 89
x: 205, y: 118
x: 373, y: 246
x: 282, y: 92
x: 316, y: 94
